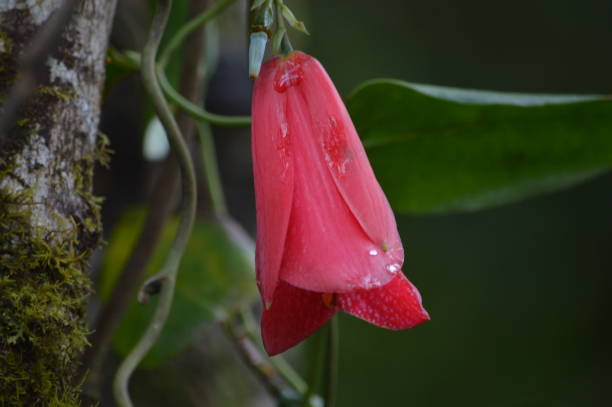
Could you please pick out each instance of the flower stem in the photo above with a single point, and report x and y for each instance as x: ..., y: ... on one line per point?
x: 244, y: 337
x: 211, y: 170
x: 316, y: 369
x: 289, y: 374
x: 285, y: 44
x: 192, y: 25
x: 333, y: 347
x: 166, y: 278
x: 256, y: 361
x: 190, y: 108
x: 279, y: 364
x: 196, y: 111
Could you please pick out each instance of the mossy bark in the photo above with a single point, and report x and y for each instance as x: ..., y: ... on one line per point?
x: 49, y: 218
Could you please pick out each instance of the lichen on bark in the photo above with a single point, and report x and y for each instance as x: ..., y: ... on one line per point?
x: 49, y: 217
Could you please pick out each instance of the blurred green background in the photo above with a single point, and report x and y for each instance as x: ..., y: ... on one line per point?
x: 519, y: 295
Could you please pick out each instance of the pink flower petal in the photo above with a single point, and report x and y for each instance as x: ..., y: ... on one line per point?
x: 326, y: 235
x: 294, y: 315
x: 327, y: 249
x: 273, y: 173
x: 397, y: 305
x: 341, y: 148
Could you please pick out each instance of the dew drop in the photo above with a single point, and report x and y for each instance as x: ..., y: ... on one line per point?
x: 370, y: 282
x: 392, y: 268
x: 373, y: 252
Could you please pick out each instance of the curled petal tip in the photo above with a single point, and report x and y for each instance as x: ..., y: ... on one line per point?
x: 396, y: 305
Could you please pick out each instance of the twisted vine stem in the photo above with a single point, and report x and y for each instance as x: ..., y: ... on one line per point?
x: 166, y: 278
x: 156, y: 83
x: 188, y: 107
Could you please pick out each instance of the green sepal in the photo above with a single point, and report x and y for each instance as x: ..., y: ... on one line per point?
x: 293, y: 22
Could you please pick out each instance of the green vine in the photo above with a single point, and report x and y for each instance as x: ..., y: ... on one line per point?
x: 165, y: 280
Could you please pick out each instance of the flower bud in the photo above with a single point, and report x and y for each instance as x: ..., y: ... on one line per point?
x: 257, y: 49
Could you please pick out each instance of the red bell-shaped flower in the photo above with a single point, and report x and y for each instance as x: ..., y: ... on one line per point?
x: 326, y: 236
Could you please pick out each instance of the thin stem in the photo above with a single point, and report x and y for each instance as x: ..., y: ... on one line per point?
x: 167, y: 276
x: 190, y: 108
x: 331, y: 384
x: 211, y: 170
x: 246, y: 340
x: 289, y: 374
x: 316, y: 369
x: 162, y: 200
x: 188, y: 28
x: 278, y: 362
x: 211, y: 51
x: 196, y: 111
x: 256, y: 361
x: 109, y: 318
x: 248, y: 320
x: 285, y: 44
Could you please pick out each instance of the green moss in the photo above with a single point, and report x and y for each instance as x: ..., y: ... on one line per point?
x: 83, y: 173
x: 6, y: 45
x: 53, y: 91
x: 23, y: 122
x: 43, y: 292
x: 103, y: 151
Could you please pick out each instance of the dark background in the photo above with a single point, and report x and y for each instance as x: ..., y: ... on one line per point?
x: 518, y: 295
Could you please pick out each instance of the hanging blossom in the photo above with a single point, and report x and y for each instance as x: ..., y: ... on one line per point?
x: 326, y: 236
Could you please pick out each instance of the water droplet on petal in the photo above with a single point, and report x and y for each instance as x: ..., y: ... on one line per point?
x: 373, y: 252
x: 370, y: 282
x: 392, y: 268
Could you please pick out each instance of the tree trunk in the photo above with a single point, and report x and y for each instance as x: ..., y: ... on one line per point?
x: 49, y: 218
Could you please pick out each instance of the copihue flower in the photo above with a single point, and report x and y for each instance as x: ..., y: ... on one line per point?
x: 326, y: 236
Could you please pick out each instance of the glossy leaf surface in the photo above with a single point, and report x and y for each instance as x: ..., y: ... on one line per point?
x: 437, y: 149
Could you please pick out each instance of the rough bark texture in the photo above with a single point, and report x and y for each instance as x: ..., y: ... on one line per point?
x: 49, y: 219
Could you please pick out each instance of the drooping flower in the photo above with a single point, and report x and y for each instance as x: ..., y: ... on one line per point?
x: 326, y: 235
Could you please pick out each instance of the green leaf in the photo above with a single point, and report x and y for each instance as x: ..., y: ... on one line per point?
x: 216, y: 276
x: 437, y: 149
